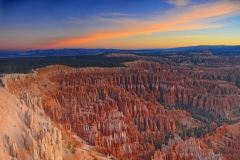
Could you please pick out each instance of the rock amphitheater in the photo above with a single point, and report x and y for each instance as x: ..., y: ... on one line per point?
x: 59, y: 113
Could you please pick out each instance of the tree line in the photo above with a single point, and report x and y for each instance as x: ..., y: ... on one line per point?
x: 26, y: 64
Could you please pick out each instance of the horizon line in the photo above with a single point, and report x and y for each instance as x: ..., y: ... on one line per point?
x: 9, y: 51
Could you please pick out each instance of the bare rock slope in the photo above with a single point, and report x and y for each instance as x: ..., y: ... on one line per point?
x: 25, y: 132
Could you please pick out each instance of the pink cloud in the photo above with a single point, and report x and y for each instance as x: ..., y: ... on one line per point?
x: 192, y: 17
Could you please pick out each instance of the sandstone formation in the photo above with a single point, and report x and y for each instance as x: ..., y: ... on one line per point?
x: 226, y: 139
x: 40, y: 138
x: 177, y: 149
x: 123, y: 112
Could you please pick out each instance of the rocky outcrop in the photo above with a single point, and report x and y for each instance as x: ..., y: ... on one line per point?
x: 114, y: 124
x: 118, y: 110
x: 229, y: 138
x: 30, y: 142
x: 42, y: 140
x: 25, y: 132
x: 177, y: 149
x: 14, y: 150
x: 29, y: 118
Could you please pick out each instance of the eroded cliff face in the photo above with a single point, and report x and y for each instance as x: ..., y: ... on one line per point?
x: 172, y: 86
x: 119, y: 110
x: 25, y: 132
x: 103, y: 113
x: 191, y: 149
x: 226, y: 139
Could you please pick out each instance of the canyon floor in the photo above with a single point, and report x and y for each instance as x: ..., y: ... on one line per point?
x: 173, y: 107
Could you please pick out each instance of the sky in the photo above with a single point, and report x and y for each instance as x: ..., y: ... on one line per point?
x: 119, y: 24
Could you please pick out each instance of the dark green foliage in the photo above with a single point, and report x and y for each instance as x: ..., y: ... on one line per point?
x: 1, y: 83
x: 237, y: 84
x: 69, y: 145
x: 207, y: 116
x: 168, y: 136
x: 198, y: 132
x: 235, y: 110
x: 222, y: 150
x: 189, y: 133
x: 232, y: 121
x: 25, y: 65
x: 158, y: 145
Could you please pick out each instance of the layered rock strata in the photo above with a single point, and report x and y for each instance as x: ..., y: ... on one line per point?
x: 119, y: 110
x: 190, y: 149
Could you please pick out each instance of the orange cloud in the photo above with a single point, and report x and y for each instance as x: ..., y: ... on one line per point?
x: 189, y: 18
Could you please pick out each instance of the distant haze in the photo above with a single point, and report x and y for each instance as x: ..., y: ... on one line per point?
x: 217, y: 50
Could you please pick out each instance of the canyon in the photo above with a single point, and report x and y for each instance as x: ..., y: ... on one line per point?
x: 141, y: 111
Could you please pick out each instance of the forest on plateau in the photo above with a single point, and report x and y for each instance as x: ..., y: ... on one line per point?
x: 25, y: 65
